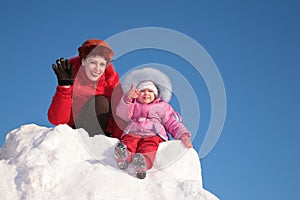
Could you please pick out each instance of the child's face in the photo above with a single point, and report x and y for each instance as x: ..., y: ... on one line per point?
x: 146, y: 96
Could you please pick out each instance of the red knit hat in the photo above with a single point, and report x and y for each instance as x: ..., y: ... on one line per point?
x: 95, y: 47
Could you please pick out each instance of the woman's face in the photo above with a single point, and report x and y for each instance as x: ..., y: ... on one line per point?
x: 146, y: 96
x: 94, y: 66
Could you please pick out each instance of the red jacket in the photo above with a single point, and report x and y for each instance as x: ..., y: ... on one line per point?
x: 68, y: 102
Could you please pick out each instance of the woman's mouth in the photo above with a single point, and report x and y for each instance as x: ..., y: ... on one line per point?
x: 95, y: 73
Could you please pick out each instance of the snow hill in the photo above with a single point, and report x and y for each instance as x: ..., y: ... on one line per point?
x: 62, y: 163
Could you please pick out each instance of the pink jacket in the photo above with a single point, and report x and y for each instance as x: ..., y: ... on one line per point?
x: 157, y: 118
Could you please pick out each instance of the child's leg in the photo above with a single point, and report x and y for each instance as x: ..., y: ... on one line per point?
x: 121, y: 155
x: 131, y: 142
x: 148, y: 147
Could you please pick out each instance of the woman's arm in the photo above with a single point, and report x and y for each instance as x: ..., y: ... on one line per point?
x: 59, y: 111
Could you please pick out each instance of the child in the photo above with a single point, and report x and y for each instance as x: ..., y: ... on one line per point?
x: 150, y: 118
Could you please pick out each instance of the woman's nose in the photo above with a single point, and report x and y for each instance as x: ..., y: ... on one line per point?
x: 99, y: 68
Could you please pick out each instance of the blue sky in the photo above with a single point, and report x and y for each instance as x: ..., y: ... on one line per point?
x: 255, y: 46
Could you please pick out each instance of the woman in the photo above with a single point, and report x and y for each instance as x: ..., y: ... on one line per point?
x: 84, y: 95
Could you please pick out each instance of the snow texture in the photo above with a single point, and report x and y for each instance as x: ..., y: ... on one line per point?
x: 64, y: 163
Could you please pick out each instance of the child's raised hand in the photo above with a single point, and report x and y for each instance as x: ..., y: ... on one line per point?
x: 131, y: 94
x: 186, y: 140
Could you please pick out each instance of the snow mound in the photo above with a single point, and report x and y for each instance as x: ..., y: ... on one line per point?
x: 62, y: 163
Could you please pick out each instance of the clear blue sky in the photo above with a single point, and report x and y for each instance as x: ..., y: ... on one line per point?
x: 255, y: 45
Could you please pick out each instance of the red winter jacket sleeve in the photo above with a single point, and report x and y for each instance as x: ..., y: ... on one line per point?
x: 60, y: 110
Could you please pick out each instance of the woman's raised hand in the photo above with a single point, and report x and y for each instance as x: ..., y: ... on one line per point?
x: 64, y: 72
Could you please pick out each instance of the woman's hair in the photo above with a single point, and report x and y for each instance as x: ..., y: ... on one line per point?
x: 96, y: 47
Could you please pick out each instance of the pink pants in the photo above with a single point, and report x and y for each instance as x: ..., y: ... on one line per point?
x: 146, y: 145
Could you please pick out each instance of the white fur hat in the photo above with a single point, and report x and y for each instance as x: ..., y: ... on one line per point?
x: 147, y: 84
x: 160, y: 79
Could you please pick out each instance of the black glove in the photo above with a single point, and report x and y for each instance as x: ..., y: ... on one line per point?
x: 64, y: 72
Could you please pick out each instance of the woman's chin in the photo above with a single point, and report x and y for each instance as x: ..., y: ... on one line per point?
x: 94, y: 78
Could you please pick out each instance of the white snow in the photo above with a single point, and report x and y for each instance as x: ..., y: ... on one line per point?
x: 62, y: 163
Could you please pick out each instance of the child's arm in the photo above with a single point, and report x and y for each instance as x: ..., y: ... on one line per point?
x: 125, y: 107
x: 174, y: 125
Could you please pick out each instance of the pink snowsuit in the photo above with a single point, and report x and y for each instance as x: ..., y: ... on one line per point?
x: 148, y: 126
